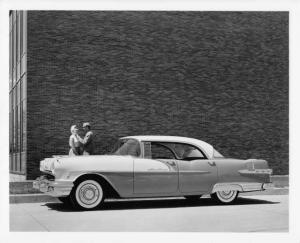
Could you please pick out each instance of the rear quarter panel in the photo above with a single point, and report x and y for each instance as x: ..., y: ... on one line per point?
x: 232, y: 170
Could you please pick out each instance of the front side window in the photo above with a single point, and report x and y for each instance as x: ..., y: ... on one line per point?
x: 169, y: 150
x: 127, y: 147
x: 160, y: 151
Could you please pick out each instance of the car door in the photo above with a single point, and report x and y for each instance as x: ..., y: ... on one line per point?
x: 196, y: 172
x: 157, y: 172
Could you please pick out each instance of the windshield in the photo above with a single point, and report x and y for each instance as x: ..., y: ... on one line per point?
x: 127, y: 147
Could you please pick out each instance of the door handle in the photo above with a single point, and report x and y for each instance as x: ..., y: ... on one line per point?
x: 212, y: 163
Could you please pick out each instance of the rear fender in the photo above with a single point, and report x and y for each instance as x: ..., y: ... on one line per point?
x: 226, y: 187
x: 236, y: 186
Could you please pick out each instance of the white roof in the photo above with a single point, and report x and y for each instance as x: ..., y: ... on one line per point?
x: 207, y: 148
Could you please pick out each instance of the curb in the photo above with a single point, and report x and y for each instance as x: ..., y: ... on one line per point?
x: 22, y: 187
x: 31, y: 198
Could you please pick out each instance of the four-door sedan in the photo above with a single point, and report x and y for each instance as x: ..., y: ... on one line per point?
x: 151, y: 166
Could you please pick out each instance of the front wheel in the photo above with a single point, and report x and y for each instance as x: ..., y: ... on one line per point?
x: 225, y: 197
x: 87, y: 195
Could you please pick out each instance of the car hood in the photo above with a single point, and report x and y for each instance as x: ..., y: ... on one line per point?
x: 85, y: 162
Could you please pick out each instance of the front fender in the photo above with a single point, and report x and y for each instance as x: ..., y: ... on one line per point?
x: 116, y: 170
x: 121, y: 182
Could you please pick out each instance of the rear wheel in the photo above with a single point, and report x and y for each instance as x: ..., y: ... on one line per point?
x: 225, y: 197
x: 87, y: 195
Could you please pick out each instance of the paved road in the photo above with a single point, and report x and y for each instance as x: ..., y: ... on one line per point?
x: 267, y: 213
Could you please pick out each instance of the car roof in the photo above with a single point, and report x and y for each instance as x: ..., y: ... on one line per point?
x: 208, y: 149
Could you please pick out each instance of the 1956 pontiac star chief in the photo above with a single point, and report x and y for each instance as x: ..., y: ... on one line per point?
x: 151, y: 166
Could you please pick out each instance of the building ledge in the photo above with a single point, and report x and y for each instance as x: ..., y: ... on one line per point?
x: 16, y: 177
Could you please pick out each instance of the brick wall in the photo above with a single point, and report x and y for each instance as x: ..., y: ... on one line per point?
x: 218, y: 76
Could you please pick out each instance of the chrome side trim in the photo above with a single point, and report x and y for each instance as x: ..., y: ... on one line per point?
x: 239, y: 186
x: 256, y: 172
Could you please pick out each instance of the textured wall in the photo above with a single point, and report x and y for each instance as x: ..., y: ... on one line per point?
x: 218, y: 76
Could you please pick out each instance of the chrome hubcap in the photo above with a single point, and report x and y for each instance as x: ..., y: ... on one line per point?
x: 226, y: 196
x: 89, y: 194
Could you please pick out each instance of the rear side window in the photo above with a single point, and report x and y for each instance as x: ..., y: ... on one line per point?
x: 187, y: 152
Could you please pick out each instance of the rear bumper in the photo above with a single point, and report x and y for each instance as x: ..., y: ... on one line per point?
x: 242, y: 186
x: 55, y: 188
x: 267, y: 186
x: 248, y: 187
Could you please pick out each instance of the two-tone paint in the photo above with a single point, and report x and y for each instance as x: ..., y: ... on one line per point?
x: 144, y: 177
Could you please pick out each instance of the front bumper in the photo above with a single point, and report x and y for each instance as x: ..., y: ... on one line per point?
x: 55, y: 188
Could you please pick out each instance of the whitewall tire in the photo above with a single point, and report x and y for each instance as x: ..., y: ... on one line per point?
x: 87, y: 195
x: 225, y: 197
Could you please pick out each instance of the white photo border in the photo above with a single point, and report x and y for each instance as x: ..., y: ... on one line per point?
x: 292, y: 6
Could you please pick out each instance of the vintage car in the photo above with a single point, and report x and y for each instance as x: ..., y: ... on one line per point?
x: 151, y: 166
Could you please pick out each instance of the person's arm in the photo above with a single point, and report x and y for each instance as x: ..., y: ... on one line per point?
x: 72, y: 145
x: 79, y: 138
x: 87, y: 138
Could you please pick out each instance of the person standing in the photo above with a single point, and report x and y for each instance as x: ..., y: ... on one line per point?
x: 88, y: 140
x: 74, y: 143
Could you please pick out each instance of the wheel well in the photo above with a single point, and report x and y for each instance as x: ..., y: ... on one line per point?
x: 110, y: 192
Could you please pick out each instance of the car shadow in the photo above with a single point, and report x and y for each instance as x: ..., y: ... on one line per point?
x: 158, y: 203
